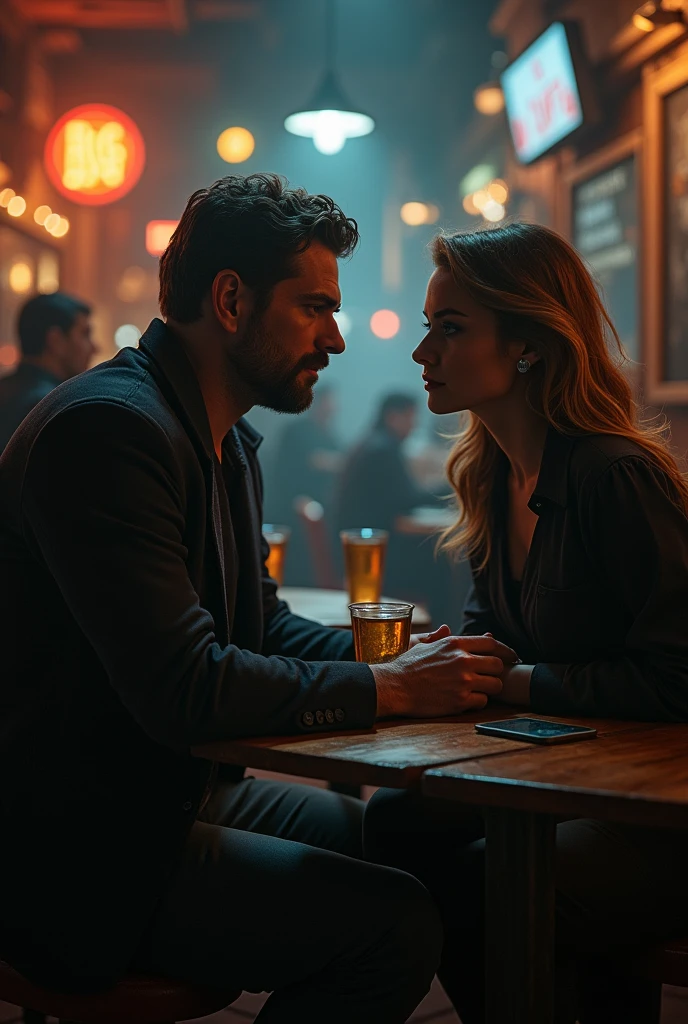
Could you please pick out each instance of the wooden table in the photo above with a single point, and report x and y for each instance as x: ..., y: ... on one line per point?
x: 635, y: 773
x: 425, y: 521
x: 331, y: 607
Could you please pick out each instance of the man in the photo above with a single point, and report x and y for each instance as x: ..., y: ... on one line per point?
x: 375, y: 486
x: 138, y: 622
x: 55, y: 338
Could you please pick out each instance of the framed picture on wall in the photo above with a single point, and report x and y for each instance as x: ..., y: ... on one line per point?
x: 665, y: 202
x: 602, y: 220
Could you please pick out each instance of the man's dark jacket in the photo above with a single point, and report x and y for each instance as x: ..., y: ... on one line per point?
x: 20, y: 391
x: 127, y: 638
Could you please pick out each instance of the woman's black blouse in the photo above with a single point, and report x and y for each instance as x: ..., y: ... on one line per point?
x: 603, y: 610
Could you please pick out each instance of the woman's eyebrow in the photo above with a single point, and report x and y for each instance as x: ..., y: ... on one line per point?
x: 447, y: 312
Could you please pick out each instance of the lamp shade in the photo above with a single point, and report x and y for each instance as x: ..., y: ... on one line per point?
x: 330, y: 118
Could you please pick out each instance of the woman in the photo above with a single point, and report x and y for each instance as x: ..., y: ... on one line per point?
x: 574, y: 517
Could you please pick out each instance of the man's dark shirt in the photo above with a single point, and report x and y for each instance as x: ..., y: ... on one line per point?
x: 19, y: 392
x: 137, y: 621
x: 603, y: 610
x: 375, y: 486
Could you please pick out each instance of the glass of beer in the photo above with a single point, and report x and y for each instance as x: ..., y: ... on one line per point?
x: 278, y: 538
x: 364, y: 562
x: 382, y: 631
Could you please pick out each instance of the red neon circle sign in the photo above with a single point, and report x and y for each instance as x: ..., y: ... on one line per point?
x: 94, y: 154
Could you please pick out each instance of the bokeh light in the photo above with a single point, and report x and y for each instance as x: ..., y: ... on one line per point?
x: 61, y: 229
x: 235, y: 145
x: 415, y: 213
x: 9, y: 355
x: 385, y: 323
x: 51, y: 222
x: 47, y: 273
x: 21, y: 276
x: 132, y: 284
x: 493, y: 211
x: 6, y: 195
x: 158, y: 234
x: 489, y: 98
x: 5, y: 173
x: 16, y: 206
x: 127, y: 336
x: 469, y: 205
x: 41, y: 214
x: 498, y: 190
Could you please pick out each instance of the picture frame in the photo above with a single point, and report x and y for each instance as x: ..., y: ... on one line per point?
x: 665, y: 231
x: 606, y: 186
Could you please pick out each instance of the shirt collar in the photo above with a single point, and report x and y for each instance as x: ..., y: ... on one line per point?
x: 552, y: 483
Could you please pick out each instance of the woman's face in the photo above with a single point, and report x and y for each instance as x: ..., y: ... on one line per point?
x: 465, y: 365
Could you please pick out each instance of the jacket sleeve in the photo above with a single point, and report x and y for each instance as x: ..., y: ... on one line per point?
x: 103, y: 506
x: 645, y: 562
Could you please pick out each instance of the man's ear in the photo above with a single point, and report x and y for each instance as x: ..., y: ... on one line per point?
x: 228, y: 295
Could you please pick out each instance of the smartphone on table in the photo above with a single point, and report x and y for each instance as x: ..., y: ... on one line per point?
x: 536, y: 730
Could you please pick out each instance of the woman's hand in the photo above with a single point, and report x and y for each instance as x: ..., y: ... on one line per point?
x: 428, y: 638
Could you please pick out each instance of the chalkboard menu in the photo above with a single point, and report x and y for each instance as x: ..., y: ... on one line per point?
x: 605, y: 232
x: 676, y: 236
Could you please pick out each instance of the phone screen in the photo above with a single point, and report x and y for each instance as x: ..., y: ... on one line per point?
x: 536, y: 727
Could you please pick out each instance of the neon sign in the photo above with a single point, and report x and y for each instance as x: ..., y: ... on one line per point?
x: 94, y: 154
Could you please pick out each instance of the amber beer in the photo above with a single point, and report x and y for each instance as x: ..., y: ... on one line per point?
x: 278, y: 538
x: 381, y: 631
x: 364, y: 563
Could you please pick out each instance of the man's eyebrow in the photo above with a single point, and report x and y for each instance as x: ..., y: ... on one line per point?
x: 321, y: 298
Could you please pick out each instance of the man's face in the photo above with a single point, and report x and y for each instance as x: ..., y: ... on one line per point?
x: 73, y: 349
x: 283, y: 346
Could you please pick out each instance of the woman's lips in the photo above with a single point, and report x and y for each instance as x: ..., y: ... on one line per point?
x: 430, y: 385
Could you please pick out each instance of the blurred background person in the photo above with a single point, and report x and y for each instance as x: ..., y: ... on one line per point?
x: 304, y: 463
x: 55, y: 340
x: 376, y: 485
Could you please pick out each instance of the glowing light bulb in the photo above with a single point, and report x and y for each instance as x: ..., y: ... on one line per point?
x: 329, y: 129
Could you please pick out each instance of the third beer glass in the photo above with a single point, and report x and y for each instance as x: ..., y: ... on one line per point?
x: 364, y: 562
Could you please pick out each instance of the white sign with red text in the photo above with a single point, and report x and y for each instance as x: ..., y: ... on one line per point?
x: 541, y: 95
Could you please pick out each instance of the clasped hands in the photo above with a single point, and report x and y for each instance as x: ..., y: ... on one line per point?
x: 441, y: 674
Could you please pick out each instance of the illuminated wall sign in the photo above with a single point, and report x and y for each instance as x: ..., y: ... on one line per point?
x: 94, y: 154
x: 543, y: 102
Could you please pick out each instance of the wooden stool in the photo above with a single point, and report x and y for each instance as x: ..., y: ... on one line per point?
x: 137, y: 999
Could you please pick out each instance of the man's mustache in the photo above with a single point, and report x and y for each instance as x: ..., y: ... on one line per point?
x: 311, y: 363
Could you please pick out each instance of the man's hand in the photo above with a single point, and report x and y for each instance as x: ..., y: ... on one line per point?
x: 442, y: 677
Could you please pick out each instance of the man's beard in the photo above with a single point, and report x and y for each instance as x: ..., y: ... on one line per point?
x: 266, y: 369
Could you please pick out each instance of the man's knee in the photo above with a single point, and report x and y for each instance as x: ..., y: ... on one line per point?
x: 416, y: 934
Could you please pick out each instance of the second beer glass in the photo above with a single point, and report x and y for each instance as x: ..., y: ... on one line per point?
x: 364, y: 562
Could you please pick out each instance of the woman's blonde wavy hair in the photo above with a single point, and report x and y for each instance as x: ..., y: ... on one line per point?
x: 542, y: 294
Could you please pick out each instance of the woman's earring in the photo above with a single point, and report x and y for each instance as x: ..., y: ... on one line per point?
x: 523, y: 365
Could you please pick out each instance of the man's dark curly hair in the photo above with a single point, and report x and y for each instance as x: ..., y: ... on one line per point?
x: 253, y: 224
